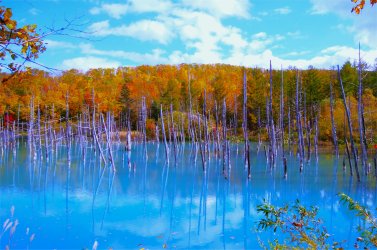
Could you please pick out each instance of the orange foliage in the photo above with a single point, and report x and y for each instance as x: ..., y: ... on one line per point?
x: 26, y: 43
x: 360, y: 5
x: 122, y: 89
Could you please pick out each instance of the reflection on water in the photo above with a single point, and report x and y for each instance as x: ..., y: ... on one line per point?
x: 148, y: 204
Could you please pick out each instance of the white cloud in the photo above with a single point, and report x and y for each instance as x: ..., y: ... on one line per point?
x: 113, y: 10
x: 95, y: 11
x: 89, y: 62
x: 364, y: 28
x: 155, y: 57
x: 326, y: 59
x: 199, y: 27
x: 58, y: 44
x: 234, y: 38
x: 238, y: 8
x: 203, y: 33
x: 296, y: 53
x: 197, y: 24
x: 145, y: 6
x: 260, y: 35
x: 283, y: 11
x: 117, y: 10
x: 198, y: 30
x: 144, y: 30
x: 99, y: 27
x: 260, y: 41
x: 263, y: 13
x: 235, y: 8
x: 321, y: 7
x: 339, y: 7
x: 34, y: 11
x: 296, y: 35
x: 345, y: 53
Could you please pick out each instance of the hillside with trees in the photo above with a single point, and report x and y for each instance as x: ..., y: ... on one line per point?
x: 121, y: 90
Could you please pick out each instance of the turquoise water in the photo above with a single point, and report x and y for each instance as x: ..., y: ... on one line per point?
x: 151, y: 205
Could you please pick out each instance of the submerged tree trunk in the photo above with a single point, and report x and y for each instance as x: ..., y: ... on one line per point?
x: 217, y: 143
x: 175, y: 149
x: 308, y: 130
x: 298, y: 125
x: 364, y: 152
x: 190, y: 124
x: 316, y: 136
x: 272, y: 124
x: 68, y: 130
x: 107, y: 128
x: 348, y: 156
x: 333, y: 125
x: 259, y: 129
x: 164, y: 135
x: 129, y: 139
x: 94, y: 133
x: 224, y: 129
x: 353, y: 148
x: 244, y: 126
x: 289, y: 129
x: 206, y: 137
x: 235, y: 122
x: 201, y: 146
x: 282, y: 112
x: 375, y: 164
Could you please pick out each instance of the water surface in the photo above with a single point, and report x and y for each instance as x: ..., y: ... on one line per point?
x: 149, y: 204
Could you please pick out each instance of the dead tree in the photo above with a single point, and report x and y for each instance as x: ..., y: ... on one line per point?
x: 281, y: 113
x: 175, y: 149
x: 164, y: 135
x: 333, y: 125
x: 353, y: 148
x: 364, y: 153
x: 244, y: 126
x: 272, y: 124
x: 235, y: 122
x: 224, y: 129
x: 298, y: 125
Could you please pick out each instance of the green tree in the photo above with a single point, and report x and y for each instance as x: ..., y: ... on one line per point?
x: 349, y: 77
x: 171, y: 95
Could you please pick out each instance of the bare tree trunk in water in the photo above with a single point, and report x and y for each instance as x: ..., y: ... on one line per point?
x: 333, y: 125
x: 164, y: 135
x: 364, y: 153
x: 349, y: 126
x: 244, y: 126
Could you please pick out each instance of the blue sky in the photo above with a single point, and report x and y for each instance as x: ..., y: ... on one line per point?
x: 300, y: 33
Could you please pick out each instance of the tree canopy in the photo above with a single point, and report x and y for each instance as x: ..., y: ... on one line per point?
x: 17, y: 44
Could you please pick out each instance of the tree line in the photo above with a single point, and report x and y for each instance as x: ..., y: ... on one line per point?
x: 121, y: 91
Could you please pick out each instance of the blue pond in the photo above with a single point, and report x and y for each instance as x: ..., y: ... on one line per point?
x: 148, y: 204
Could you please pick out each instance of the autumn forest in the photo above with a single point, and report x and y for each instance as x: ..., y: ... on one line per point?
x: 120, y: 91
